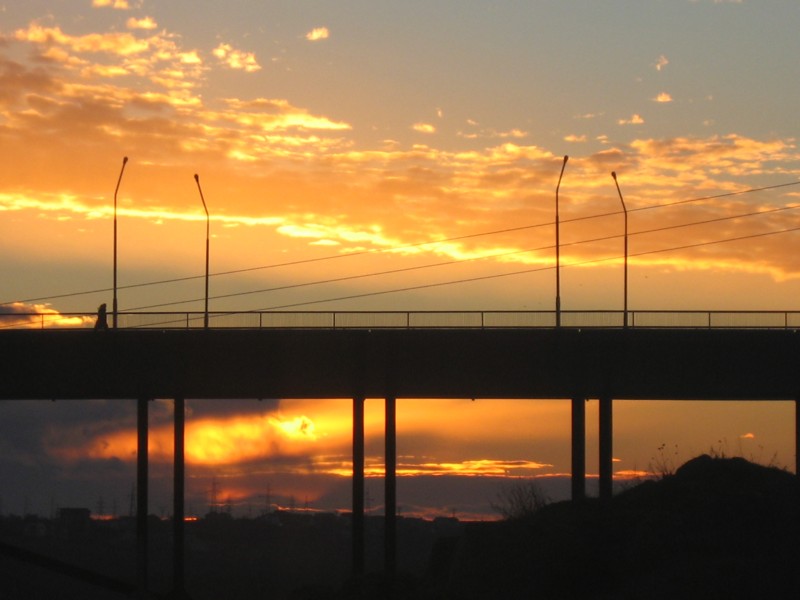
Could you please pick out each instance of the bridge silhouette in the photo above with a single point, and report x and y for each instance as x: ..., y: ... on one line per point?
x: 603, y: 355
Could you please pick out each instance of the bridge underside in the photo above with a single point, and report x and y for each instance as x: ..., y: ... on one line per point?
x: 402, y: 363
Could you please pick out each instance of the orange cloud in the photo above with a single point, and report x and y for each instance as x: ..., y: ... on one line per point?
x: 634, y: 119
x: 117, y: 4
x: 19, y: 315
x: 157, y: 58
x: 142, y: 99
x: 471, y: 468
x: 317, y: 34
x: 424, y: 128
x: 233, y: 440
x: 143, y: 23
x: 122, y: 44
x: 236, y: 59
x: 663, y: 97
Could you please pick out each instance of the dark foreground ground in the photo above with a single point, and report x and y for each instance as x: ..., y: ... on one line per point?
x: 718, y: 528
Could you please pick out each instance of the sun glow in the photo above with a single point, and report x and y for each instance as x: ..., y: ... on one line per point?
x: 228, y: 441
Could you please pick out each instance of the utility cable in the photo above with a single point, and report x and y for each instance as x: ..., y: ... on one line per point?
x: 526, y: 271
x: 401, y: 248
x: 461, y: 261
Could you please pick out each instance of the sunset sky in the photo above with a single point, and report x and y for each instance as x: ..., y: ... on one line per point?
x: 375, y: 155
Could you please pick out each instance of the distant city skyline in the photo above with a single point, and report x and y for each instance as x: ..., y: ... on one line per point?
x: 354, y: 148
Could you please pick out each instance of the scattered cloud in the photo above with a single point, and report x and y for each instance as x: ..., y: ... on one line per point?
x: 122, y: 44
x: 117, y: 4
x: 317, y: 34
x: 661, y: 62
x: 748, y: 436
x: 589, y: 115
x: 491, y: 133
x: 22, y: 315
x: 157, y: 109
x: 143, y: 23
x: 424, y: 127
x: 663, y: 97
x: 236, y: 59
x: 470, y: 468
x: 635, y: 119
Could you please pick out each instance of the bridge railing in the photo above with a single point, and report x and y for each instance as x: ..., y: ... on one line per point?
x: 639, y: 319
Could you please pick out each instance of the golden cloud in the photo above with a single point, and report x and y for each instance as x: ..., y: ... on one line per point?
x: 123, y: 44
x: 317, y: 34
x: 157, y: 58
x: 424, y: 128
x: 232, y: 440
x: 264, y: 114
x: 663, y: 97
x: 117, y: 4
x: 21, y: 315
x: 327, y: 188
x: 143, y: 23
x: 470, y: 468
x: 635, y: 119
x: 236, y: 59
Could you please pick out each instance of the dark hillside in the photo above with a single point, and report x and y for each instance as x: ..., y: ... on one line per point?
x: 718, y: 528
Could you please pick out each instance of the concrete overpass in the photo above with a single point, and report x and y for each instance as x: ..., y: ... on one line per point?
x: 399, y: 360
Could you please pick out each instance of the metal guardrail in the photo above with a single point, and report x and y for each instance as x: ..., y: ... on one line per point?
x: 504, y: 319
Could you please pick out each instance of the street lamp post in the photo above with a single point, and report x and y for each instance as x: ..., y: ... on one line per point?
x: 116, y: 190
x: 625, y: 212
x: 558, y: 247
x: 208, y: 230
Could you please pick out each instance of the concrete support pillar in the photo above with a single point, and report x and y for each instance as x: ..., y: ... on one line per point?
x: 606, y: 449
x: 390, y: 489
x: 178, y: 499
x: 141, y: 496
x: 358, y: 488
x: 578, y: 449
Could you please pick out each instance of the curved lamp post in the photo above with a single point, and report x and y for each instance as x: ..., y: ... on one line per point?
x: 625, y: 211
x: 116, y: 190
x: 208, y: 229
x: 558, y: 247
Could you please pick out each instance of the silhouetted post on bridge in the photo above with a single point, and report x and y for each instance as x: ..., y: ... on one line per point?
x: 114, y: 307
x: 208, y: 231
x: 358, y: 488
x: 141, y: 496
x: 178, y: 499
x: 578, y: 477
x: 625, y: 212
x: 606, y: 448
x: 390, y: 493
x: 558, y: 247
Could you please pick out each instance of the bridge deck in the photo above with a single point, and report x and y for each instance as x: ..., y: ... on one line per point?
x: 632, y: 363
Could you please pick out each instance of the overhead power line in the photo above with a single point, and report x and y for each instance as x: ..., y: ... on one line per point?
x: 461, y: 261
x: 397, y: 249
x: 524, y: 271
